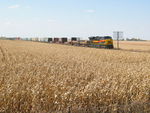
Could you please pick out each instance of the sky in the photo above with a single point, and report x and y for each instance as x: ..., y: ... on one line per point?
x: 75, y: 18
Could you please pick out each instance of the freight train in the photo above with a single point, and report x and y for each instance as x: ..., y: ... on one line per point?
x: 94, y: 41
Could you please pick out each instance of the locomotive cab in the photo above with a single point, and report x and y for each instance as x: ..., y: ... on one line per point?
x: 108, y: 42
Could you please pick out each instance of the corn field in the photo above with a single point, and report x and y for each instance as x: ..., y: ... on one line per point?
x: 51, y: 78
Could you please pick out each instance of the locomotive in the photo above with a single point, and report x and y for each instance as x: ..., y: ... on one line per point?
x: 101, y: 42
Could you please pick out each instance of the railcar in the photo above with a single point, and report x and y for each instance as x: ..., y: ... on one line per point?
x: 50, y: 40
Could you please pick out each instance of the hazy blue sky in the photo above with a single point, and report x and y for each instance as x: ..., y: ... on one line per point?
x: 29, y: 18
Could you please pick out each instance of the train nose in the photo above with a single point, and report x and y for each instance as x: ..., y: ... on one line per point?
x: 109, y: 42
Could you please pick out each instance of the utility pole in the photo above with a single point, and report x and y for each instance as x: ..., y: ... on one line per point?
x: 118, y: 40
x: 118, y: 35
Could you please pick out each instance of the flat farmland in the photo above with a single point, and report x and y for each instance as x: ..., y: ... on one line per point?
x: 134, y: 45
x: 51, y: 78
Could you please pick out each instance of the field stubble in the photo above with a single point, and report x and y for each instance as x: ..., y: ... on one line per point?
x: 140, y: 46
x: 39, y: 77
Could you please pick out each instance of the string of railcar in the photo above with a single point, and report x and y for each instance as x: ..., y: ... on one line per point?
x: 94, y: 41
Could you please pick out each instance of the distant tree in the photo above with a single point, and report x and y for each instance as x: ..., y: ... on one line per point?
x: 122, y: 39
x: 2, y: 38
x: 134, y: 39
